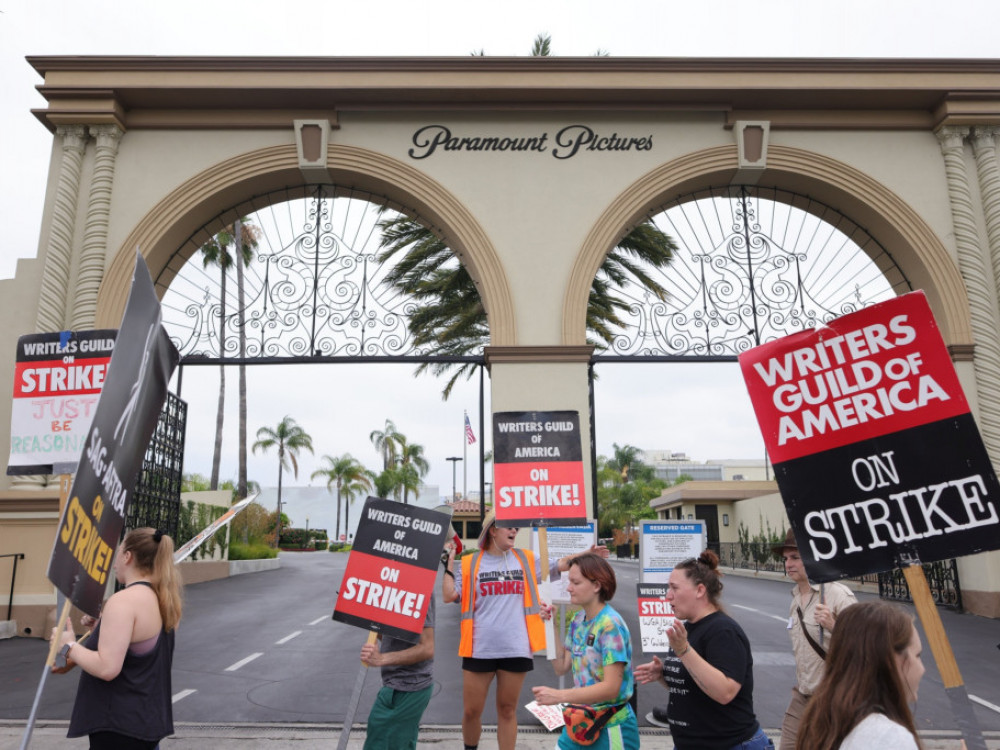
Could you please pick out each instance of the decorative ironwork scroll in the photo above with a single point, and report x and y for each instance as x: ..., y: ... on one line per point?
x: 312, y: 285
x: 752, y: 265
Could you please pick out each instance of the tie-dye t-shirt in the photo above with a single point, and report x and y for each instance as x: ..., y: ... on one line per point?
x: 594, y: 644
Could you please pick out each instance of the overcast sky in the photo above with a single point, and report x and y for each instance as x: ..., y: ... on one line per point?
x: 702, y: 411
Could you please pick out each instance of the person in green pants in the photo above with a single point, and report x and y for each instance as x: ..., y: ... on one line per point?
x: 394, y: 721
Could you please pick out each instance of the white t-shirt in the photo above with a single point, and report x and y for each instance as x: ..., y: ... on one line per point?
x: 878, y: 731
x: 498, y: 629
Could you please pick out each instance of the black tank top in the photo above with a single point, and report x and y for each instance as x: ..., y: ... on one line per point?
x: 136, y: 703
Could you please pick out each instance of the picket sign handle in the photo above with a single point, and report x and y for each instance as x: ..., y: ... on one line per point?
x: 372, y: 638
x: 944, y: 657
x: 543, y: 588
x: 352, y: 705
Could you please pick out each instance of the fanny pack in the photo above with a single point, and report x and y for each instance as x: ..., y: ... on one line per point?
x: 584, y: 723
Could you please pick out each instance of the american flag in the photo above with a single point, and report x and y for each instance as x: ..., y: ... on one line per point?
x: 470, y: 436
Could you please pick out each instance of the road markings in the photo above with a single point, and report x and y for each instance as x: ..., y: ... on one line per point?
x: 243, y: 662
x: 287, y: 638
x: 760, y: 612
x: 318, y: 620
x: 182, y: 695
x: 987, y: 704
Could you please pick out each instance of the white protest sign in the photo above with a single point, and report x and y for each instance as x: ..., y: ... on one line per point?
x: 663, y: 544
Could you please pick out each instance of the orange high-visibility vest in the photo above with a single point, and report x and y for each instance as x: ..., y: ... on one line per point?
x: 532, y: 618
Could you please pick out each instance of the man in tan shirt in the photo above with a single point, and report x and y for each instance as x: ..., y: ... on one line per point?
x: 811, y: 617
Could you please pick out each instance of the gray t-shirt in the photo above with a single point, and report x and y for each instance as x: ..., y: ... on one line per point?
x: 498, y: 627
x: 408, y: 677
x: 877, y: 730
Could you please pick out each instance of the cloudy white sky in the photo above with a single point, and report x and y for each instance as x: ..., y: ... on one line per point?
x: 704, y: 412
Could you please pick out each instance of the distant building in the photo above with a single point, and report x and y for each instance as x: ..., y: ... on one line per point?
x: 671, y: 465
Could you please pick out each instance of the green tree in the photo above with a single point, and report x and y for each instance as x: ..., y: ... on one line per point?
x: 215, y: 252
x: 289, y: 439
x: 387, y: 482
x: 246, y: 236
x: 339, y: 471
x: 352, y: 490
x: 412, y: 455
x: 387, y: 443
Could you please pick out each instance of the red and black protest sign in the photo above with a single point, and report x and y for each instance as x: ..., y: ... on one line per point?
x: 655, y: 616
x: 876, y: 454
x: 538, y: 468
x: 392, y: 568
x: 57, y: 381
x: 135, y: 387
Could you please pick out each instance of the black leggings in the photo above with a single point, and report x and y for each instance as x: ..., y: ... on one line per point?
x: 115, y: 741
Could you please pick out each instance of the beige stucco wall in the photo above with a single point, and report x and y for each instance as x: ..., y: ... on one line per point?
x: 531, y: 228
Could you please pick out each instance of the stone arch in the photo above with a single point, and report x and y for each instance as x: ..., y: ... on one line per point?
x: 222, y: 186
x: 915, y: 247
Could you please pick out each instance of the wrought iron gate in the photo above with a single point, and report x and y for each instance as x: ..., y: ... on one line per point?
x: 157, y: 496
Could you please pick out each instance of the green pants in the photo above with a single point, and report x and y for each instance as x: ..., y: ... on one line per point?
x: 394, y: 721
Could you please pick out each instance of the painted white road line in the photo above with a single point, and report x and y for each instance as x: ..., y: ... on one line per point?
x: 243, y: 662
x: 287, y: 638
x: 987, y: 704
x: 759, y: 612
x: 318, y: 620
x: 182, y: 695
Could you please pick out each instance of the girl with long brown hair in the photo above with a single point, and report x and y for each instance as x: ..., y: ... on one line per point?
x: 873, y: 671
x: 124, y: 696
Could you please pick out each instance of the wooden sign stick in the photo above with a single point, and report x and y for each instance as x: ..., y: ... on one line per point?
x: 944, y: 657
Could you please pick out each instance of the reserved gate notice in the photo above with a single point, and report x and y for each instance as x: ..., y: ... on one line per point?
x: 875, y: 451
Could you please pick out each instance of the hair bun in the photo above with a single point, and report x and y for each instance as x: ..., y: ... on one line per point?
x: 157, y: 536
x: 709, y: 558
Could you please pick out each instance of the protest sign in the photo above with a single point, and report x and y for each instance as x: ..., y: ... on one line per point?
x: 663, y: 544
x: 134, y: 390
x: 392, y: 568
x: 655, y: 616
x: 875, y: 451
x: 564, y: 541
x: 57, y: 382
x: 538, y: 468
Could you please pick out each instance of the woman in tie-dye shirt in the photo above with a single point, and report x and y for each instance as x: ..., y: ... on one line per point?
x: 599, y: 651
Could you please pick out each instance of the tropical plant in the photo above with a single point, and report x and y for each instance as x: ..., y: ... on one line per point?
x: 247, y: 237
x: 351, y: 490
x: 289, y: 439
x: 387, y: 443
x: 412, y: 455
x: 339, y: 471
x: 215, y: 252
x: 387, y: 482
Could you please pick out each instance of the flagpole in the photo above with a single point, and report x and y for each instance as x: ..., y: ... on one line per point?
x: 465, y: 457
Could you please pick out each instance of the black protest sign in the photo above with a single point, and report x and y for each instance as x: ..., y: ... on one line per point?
x: 875, y: 451
x: 124, y: 420
x: 57, y: 381
x: 538, y: 468
x: 392, y: 568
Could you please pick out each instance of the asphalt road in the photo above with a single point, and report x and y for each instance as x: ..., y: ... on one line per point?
x: 263, y: 648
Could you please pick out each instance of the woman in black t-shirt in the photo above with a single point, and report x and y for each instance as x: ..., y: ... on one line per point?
x: 123, y: 701
x: 710, y: 671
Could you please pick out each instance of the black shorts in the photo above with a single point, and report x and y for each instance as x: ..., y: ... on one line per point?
x: 512, y: 664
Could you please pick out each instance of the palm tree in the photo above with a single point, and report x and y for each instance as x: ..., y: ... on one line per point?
x: 386, y: 482
x: 387, y: 443
x: 247, y: 238
x: 412, y: 455
x: 409, y: 480
x: 341, y: 470
x: 625, y: 461
x: 352, y: 490
x: 215, y: 252
x: 289, y: 439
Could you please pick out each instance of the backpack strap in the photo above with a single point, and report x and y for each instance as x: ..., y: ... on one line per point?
x: 820, y: 651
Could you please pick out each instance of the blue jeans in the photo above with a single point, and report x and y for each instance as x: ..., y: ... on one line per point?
x: 759, y: 741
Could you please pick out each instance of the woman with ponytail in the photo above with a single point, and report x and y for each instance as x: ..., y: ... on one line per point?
x: 124, y: 696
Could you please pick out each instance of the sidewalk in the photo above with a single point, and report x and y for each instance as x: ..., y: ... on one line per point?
x: 51, y: 735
